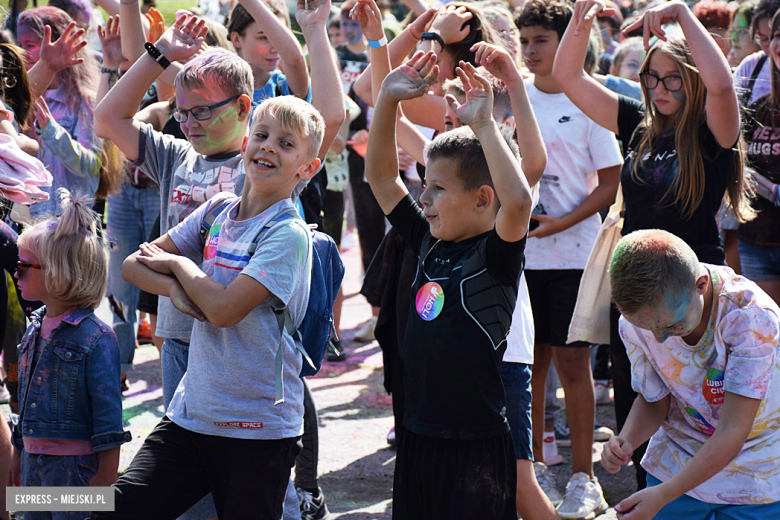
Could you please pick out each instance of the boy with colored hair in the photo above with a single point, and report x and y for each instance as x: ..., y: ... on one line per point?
x: 238, y: 441
x: 456, y: 458
x: 703, y: 348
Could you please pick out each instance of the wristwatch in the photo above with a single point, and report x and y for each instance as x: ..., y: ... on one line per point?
x: 156, y: 55
x: 433, y: 36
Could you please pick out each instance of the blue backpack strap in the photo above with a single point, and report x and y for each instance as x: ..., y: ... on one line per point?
x: 209, y: 219
x: 285, y: 322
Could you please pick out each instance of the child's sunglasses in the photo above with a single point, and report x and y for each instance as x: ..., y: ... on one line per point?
x: 25, y: 265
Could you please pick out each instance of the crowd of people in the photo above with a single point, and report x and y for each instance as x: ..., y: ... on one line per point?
x: 529, y: 182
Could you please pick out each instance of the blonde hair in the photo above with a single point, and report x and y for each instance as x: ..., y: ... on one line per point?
x: 295, y: 115
x: 687, y: 188
x: 70, y: 252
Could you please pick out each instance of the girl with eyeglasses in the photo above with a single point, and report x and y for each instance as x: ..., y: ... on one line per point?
x: 681, y: 153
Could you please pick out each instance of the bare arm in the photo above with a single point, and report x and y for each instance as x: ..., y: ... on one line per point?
x: 285, y: 43
x: 595, y: 100
x: 109, y: 6
x: 156, y: 114
x: 327, y: 95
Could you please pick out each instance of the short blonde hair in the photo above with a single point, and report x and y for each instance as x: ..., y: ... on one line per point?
x: 649, y: 266
x: 297, y: 116
x: 70, y: 252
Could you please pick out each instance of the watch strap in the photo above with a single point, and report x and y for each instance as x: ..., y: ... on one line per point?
x: 156, y: 55
x: 433, y: 36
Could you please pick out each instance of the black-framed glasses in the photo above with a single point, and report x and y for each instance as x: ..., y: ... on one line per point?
x: 199, y: 113
x: 24, y: 265
x: 671, y: 83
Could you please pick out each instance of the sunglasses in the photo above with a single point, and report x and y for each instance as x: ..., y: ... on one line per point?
x: 25, y: 265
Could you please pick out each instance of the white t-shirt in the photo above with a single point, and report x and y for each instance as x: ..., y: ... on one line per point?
x: 744, y: 71
x: 576, y: 149
x: 737, y: 354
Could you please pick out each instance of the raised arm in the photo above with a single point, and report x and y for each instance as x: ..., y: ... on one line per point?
x: 595, y: 100
x: 510, y: 184
x: 285, y: 43
x: 81, y: 158
x: 722, y: 106
x: 327, y: 96
x: 412, y: 79
x: 115, y: 112
x: 533, y: 153
x: 55, y: 57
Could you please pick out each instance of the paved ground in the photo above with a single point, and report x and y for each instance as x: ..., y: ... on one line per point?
x: 355, y: 414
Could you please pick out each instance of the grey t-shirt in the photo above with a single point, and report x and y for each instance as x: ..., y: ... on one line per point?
x: 231, y: 370
x: 187, y: 179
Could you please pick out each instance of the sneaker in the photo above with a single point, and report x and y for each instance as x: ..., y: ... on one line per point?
x: 562, y: 435
x: 602, y: 391
x: 583, y: 498
x: 5, y: 395
x: 602, y: 433
x: 366, y: 331
x: 551, y: 456
x: 335, y: 352
x: 547, y: 483
x: 144, y: 334
x: 312, y: 507
x: 391, y: 436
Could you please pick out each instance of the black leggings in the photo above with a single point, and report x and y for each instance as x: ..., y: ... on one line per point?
x: 306, y: 461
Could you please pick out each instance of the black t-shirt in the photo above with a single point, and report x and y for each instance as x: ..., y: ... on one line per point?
x: 763, y: 139
x: 462, y: 301
x: 644, y: 209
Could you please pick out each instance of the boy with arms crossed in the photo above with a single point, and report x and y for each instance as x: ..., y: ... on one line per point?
x: 457, y: 459
x: 702, y: 343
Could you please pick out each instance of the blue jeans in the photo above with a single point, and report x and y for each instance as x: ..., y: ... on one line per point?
x: 131, y: 215
x: 759, y: 264
x: 688, y: 508
x: 58, y: 470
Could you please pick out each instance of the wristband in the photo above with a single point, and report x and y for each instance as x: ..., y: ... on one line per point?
x: 433, y: 36
x: 156, y: 55
x: 378, y: 43
x: 104, y: 70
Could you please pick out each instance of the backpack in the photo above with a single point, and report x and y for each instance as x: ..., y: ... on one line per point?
x: 327, y: 271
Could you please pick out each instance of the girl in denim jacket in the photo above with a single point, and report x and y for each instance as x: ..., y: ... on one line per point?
x: 69, y: 427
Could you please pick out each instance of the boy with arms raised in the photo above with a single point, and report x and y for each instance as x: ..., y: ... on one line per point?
x: 456, y: 459
x: 702, y: 343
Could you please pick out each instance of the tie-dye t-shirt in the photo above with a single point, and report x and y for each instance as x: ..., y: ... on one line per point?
x: 736, y: 354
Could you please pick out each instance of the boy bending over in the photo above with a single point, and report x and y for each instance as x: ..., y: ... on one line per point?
x: 702, y: 343
x: 457, y: 459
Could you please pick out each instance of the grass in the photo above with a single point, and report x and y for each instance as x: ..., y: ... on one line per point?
x: 168, y: 8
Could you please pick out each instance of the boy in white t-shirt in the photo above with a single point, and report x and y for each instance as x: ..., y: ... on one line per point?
x: 703, y: 348
x: 581, y: 178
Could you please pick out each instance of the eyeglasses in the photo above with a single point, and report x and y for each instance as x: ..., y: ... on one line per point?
x: 25, y: 265
x: 199, y: 113
x: 509, y: 33
x: 671, y: 83
x: 735, y: 34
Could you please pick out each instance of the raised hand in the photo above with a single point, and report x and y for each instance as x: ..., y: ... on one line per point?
x: 496, y: 61
x: 450, y: 23
x: 423, y: 22
x: 42, y: 113
x: 61, y: 54
x: 478, y: 108
x: 412, y: 79
x: 653, y: 19
x: 156, y: 24
x: 586, y: 10
x: 183, y: 38
x: 111, y: 41
x: 370, y: 17
x: 310, y: 13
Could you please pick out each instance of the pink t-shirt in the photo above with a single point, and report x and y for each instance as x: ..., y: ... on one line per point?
x: 54, y: 446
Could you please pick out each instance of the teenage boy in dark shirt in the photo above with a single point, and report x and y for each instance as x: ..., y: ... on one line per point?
x: 457, y: 459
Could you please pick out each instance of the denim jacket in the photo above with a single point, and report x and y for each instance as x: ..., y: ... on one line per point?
x: 73, y: 393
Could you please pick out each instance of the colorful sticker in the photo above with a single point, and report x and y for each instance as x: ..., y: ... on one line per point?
x: 212, y: 241
x: 701, y: 424
x: 430, y: 300
x: 712, y: 387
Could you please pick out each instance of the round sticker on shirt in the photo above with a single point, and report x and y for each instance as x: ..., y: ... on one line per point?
x: 430, y: 300
x: 712, y: 386
x: 701, y: 424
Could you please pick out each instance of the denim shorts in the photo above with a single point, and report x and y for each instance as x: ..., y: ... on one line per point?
x: 688, y: 508
x: 517, y: 388
x: 759, y: 264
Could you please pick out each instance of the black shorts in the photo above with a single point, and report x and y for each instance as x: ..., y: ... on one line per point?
x: 553, y: 297
x: 450, y: 479
x: 333, y: 215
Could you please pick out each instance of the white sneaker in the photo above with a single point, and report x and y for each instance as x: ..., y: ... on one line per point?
x: 601, y: 433
x: 602, y: 391
x: 547, y: 483
x: 366, y: 331
x: 5, y: 395
x: 583, y: 498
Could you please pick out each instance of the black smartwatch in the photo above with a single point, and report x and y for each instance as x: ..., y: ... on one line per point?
x: 433, y: 36
x: 156, y: 55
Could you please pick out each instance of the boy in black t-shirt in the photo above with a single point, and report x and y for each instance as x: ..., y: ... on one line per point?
x: 457, y: 459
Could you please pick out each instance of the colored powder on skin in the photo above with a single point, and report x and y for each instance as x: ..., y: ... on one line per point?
x: 680, y: 96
